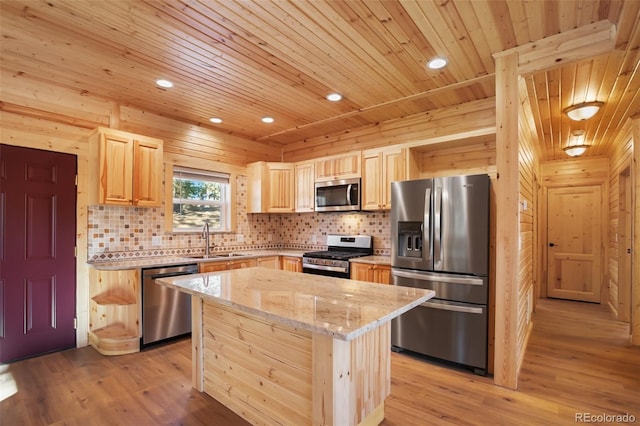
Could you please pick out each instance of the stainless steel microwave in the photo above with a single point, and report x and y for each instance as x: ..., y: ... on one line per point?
x: 338, y: 195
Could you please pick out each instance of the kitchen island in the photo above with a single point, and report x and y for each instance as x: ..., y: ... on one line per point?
x: 280, y: 347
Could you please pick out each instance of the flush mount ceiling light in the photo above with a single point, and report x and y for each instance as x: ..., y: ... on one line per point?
x: 215, y: 120
x: 583, y: 111
x: 267, y: 119
x: 164, y: 83
x: 578, y: 149
x: 334, y: 97
x: 437, y: 63
x: 575, y: 150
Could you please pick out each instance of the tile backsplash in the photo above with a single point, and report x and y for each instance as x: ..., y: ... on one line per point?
x: 128, y: 232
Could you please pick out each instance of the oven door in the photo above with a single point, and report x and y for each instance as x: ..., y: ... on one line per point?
x: 339, y: 195
x: 327, y: 271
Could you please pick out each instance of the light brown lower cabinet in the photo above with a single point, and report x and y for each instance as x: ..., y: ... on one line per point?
x: 227, y: 265
x: 286, y: 263
x: 291, y: 263
x: 380, y: 274
x: 272, y: 262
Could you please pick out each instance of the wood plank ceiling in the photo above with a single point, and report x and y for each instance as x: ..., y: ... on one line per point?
x: 243, y: 60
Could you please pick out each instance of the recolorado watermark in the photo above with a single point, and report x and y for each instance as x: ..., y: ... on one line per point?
x: 604, y: 418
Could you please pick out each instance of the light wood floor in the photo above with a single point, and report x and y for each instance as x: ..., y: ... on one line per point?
x: 578, y: 361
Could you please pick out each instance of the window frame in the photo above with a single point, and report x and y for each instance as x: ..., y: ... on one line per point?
x: 228, y: 211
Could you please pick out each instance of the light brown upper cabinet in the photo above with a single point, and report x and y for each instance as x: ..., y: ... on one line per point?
x: 337, y: 167
x: 270, y: 187
x: 128, y: 169
x: 379, y: 169
x: 305, y: 196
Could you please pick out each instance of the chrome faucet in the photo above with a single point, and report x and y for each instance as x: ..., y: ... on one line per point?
x: 205, y: 235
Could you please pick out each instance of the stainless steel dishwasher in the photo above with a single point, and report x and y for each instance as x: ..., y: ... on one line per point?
x: 166, y: 313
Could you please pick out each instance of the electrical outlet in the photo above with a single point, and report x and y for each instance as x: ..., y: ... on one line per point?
x: 314, y: 239
x: 269, y: 237
x: 240, y: 238
x: 156, y: 240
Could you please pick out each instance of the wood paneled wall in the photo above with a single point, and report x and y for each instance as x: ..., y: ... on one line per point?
x: 529, y: 247
x: 635, y: 217
x: 466, y: 156
x: 460, y: 122
x: 619, y: 162
x: 34, y: 99
x: 195, y: 141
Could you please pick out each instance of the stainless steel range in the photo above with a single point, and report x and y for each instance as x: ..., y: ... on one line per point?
x: 334, y: 262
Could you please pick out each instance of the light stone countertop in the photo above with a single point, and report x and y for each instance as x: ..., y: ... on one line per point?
x: 341, y: 308
x: 374, y: 260
x: 150, y: 262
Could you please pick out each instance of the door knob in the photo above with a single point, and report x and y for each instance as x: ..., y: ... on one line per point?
x: 551, y: 245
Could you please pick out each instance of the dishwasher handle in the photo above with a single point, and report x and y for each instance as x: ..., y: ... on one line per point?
x: 453, y: 308
x: 170, y: 274
x: 171, y: 271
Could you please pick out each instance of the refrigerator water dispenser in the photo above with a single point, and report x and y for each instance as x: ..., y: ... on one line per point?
x: 410, y: 239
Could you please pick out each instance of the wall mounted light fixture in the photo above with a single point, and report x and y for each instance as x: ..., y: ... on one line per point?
x: 583, y: 111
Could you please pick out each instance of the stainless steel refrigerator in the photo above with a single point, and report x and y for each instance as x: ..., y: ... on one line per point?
x: 440, y: 241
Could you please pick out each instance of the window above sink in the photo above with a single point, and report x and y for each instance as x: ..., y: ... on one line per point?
x: 199, y: 197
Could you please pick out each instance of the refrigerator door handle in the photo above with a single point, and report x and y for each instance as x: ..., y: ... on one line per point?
x: 453, y: 308
x: 426, y: 225
x: 444, y: 278
x: 437, y: 227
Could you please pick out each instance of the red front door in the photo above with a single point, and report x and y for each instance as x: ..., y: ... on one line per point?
x: 37, y: 252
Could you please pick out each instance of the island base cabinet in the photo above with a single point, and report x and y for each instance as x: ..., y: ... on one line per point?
x: 271, y: 373
x: 351, y: 379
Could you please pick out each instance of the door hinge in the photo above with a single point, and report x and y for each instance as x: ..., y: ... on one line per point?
x: 76, y: 180
x: 75, y: 323
x: 75, y: 251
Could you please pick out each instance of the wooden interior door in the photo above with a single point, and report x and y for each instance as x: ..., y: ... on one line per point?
x: 574, y: 243
x: 37, y: 252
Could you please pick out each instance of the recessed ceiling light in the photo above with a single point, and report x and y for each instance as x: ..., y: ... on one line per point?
x: 267, y: 119
x: 164, y: 83
x: 215, y: 120
x: 334, y: 97
x: 437, y: 63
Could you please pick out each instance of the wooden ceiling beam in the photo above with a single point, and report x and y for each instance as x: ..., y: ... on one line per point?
x: 555, y: 51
